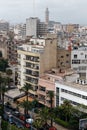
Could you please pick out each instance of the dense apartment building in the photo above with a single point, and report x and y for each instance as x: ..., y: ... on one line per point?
x: 3, y: 47
x: 34, y: 59
x: 63, y: 58
x: 12, y: 50
x: 79, y: 60
x: 20, y: 31
x: 35, y: 28
x: 4, y: 26
x: 72, y: 28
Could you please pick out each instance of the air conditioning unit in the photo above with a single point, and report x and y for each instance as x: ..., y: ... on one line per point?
x: 77, y: 81
x: 83, y: 82
x: 80, y: 81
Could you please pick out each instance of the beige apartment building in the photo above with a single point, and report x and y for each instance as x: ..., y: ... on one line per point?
x: 34, y: 59
x: 63, y: 58
x: 46, y: 84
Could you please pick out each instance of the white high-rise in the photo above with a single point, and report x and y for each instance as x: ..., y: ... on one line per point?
x: 31, y: 26
x: 35, y: 28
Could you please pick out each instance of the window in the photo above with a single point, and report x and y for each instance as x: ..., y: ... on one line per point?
x: 81, y: 54
x: 85, y: 56
x: 75, y: 56
x: 67, y: 61
x: 67, y: 55
x: 62, y: 56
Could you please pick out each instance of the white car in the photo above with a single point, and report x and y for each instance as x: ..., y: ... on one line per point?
x: 29, y: 120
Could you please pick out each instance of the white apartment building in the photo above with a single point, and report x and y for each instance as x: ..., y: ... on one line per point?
x: 75, y: 92
x: 20, y: 31
x: 31, y: 26
x: 79, y: 60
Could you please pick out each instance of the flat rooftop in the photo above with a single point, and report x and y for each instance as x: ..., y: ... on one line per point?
x: 74, y: 85
x: 67, y: 77
x: 14, y: 93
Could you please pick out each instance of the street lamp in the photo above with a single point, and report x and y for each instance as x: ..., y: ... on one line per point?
x: 0, y: 122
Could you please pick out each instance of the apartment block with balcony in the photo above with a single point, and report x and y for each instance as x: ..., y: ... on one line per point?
x: 79, y: 60
x: 34, y: 59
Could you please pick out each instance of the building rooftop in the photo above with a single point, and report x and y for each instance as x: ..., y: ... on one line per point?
x: 68, y: 77
x: 14, y: 93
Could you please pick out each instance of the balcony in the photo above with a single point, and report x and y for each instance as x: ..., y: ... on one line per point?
x: 32, y: 74
x: 41, y: 92
x: 33, y: 92
x: 32, y: 67
x: 32, y: 58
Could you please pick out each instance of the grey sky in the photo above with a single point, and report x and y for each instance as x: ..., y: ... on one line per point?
x: 64, y: 11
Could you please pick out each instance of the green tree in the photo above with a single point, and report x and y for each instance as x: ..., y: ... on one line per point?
x: 66, y: 109
x: 26, y: 105
x: 3, y: 65
x: 1, y: 80
x: 3, y: 89
x: 38, y: 123
x: 50, y: 94
x: 9, y: 72
x: 44, y: 115
x: 26, y: 89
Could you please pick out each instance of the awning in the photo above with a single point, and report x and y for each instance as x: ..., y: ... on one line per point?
x: 24, y: 98
x: 14, y: 94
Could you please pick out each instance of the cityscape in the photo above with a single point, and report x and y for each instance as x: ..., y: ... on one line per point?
x: 43, y: 74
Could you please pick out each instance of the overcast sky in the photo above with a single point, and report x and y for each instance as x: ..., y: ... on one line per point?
x: 64, y: 11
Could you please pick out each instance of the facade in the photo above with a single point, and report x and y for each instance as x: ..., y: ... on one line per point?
x: 12, y: 51
x: 31, y: 26
x: 4, y: 26
x: 20, y: 31
x: 63, y: 58
x: 34, y: 59
x: 75, y: 92
x: 3, y: 47
x: 46, y: 84
x: 72, y: 27
x: 35, y: 28
x: 79, y: 60
x: 42, y: 29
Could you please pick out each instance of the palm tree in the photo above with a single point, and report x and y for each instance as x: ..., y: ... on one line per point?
x: 26, y: 89
x: 26, y: 105
x: 1, y: 80
x: 9, y: 74
x: 44, y: 115
x: 50, y: 94
x: 67, y: 109
x: 38, y: 123
x: 3, y: 89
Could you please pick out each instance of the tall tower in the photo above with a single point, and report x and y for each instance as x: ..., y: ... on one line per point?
x: 47, y: 16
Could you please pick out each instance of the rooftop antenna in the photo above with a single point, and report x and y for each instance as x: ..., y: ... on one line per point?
x: 34, y: 8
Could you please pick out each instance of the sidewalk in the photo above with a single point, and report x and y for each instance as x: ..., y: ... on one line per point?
x: 59, y: 127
